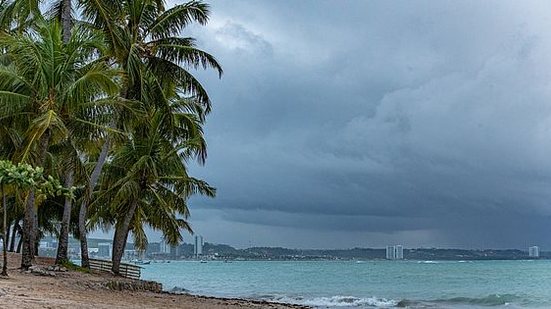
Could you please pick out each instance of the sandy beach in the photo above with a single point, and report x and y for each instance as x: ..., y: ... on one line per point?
x: 73, y: 289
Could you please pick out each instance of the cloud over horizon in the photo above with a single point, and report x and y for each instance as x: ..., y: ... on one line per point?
x: 366, y: 123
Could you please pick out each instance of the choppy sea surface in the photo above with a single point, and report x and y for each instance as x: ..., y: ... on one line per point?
x: 366, y: 284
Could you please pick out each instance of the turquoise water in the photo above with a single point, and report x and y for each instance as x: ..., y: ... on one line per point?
x: 366, y: 284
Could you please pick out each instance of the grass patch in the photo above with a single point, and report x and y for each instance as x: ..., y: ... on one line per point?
x: 74, y: 267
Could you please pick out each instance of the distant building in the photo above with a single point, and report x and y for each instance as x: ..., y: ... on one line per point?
x: 175, y: 252
x: 164, y: 248
x: 399, y: 252
x: 534, y: 251
x: 104, y: 249
x: 153, y: 248
x: 395, y: 252
x: 131, y: 254
x: 390, y: 253
x: 198, y: 246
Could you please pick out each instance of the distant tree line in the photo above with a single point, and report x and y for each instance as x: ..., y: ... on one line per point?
x: 278, y: 253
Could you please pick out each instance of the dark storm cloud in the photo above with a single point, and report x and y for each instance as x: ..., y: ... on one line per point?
x: 421, y: 122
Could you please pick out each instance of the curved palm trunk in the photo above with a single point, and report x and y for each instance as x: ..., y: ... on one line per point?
x: 63, y: 243
x: 84, y: 258
x: 83, y: 213
x: 121, y: 236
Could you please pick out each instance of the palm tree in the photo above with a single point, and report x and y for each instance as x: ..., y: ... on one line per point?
x: 147, y: 181
x: 19, y: 15
x: 52, y: 88
x: 56, y: 106
x: 145, y: 44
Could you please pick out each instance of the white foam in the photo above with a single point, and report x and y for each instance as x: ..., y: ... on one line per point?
x: 340, y: 301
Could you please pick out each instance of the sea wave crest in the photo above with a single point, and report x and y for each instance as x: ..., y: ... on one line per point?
x: 489, y: 300
x: 340, y: 301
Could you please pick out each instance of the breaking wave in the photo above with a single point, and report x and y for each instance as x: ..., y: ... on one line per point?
x: 490, y: 300
x: 339, y: 301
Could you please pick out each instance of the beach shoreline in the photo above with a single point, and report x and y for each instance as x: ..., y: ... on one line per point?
x: 73, y: 289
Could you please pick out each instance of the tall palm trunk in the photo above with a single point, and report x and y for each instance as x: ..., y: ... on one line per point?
x: 36, y: 238
x: 30, y: 219
x: 66, y: 20
x: 63, y: 243
x: 28, y: 235
x: 5, y: 237
x: 83, y: 213
x: 121, y: 236
x: 8, y: 231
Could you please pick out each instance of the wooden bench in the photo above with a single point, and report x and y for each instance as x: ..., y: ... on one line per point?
x: 130, y: 271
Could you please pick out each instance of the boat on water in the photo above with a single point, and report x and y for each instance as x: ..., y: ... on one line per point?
x: 141, y: 262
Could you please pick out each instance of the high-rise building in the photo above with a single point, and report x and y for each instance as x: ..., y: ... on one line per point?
x: 174, y: 251
x: 198, y: 246
x: 399, y: 252
x: 164, y: 247
x: 534, y: 251
x: 395, y: 252
x: 153, y: 248
x: 390, y: 253
x: 104, y: 249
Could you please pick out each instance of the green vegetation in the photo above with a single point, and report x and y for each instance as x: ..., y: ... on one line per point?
x: 72, y: 266
x: 18, y: 179
x: 276, y: 253
x: 107, y: 104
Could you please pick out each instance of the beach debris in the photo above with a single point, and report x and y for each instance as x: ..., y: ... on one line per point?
x: 135, y: 285
x: 56, y: 268
x: 36, y: 270
x: 178, y: 290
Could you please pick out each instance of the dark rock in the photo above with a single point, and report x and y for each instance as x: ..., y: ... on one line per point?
x: 178, y: 290
x: 35, y: 270
x: 135, y: 285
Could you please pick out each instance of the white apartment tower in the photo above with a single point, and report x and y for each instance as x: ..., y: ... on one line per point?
x: 164, y: 247
x: 105, y: 249
x: 390, y: 253
x: 198, y: 246
x: 399, y: 252
x: 534, y: 251
x: 395, y: 252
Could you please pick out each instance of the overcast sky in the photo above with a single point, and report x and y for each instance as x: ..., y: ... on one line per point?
x: 365, y: 123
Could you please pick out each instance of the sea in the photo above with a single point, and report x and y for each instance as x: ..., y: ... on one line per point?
x: 365, y: 284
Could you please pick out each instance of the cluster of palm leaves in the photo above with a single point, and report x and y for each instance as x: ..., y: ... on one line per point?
x: 100, y: 95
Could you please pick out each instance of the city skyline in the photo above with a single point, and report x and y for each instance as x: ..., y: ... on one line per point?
x: 52, y: 243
